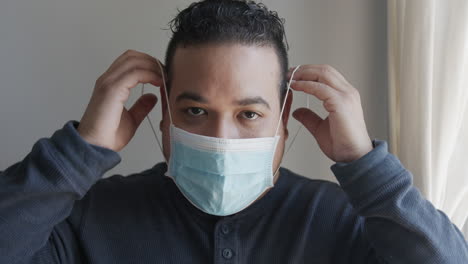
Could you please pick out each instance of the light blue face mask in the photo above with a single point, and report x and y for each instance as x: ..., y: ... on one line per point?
x: 221, y: 176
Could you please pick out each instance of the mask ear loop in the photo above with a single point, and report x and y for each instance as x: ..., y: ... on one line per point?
x: 169, y: 109
x: 282, y: 110
x: 299, y: 127
x: 285, y: 97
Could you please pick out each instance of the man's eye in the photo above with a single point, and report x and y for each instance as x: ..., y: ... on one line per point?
x: 250, y: 115
x: 195, y: 111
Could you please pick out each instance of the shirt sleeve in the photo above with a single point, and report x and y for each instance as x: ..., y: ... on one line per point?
x: 400, y: 225
x: 38, y: 193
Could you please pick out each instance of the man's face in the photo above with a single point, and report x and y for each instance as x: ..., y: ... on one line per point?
x: 226, y: 91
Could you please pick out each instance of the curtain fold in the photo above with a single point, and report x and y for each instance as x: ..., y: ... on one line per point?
x: 428, y: 98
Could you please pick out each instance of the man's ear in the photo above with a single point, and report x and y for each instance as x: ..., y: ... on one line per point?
x: 287, y: 110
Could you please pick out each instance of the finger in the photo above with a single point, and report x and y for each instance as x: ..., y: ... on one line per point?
x: 322, y: 91
x: 320, y: 67
x: 127, y: 55
x: 321, y: 73
x: 130, y: 63
x: 142, y: 107
x: 308, y: 118
x: 133, y: 77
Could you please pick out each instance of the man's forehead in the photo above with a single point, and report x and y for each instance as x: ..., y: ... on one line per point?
x: 236, y: 71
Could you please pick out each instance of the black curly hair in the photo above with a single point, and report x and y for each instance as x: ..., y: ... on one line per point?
x: 229, y: 21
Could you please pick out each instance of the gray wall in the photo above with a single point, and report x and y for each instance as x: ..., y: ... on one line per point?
x: 51, y: 53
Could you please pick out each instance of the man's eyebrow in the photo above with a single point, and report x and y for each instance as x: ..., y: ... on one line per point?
x: 191, y: 96
x: 253, y: 100
x: 198, y: 98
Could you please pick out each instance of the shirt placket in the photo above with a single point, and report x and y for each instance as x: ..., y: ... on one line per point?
x: 226, y: 242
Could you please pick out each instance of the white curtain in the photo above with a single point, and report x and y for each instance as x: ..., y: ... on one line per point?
x: 428, y: 98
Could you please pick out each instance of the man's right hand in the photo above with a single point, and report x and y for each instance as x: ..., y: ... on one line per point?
x: 106, y: 122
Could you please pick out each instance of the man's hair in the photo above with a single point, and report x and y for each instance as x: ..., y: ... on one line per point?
x: 229, y: 21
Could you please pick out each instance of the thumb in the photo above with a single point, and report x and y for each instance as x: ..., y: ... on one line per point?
x: 142, y: 107
x: 308, y: 118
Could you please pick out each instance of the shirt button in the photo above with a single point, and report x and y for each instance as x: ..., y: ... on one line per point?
x: 227, y: 253
x: 225, y: 229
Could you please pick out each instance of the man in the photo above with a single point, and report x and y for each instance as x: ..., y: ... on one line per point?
x: 222, y: 199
